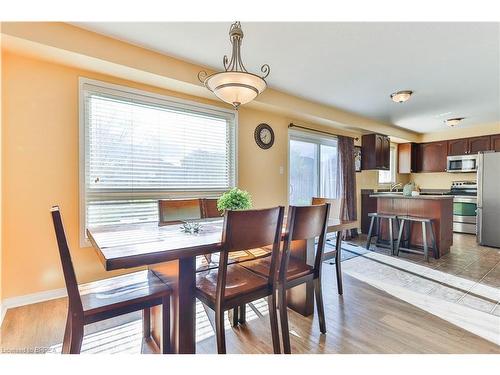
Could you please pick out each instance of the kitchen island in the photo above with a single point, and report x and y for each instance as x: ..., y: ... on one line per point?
x: 436, y: 207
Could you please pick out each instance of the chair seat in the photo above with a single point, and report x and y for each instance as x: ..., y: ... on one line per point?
x: 120, y: 291
x: 239, y: 282
x: 296, y: 267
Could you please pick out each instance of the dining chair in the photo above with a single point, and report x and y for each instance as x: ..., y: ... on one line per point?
x: 336, y: 205
x: 209, y: 208
x: 232, y: 285
x: 104, y: 299
x: 304, y: 223
x: 175, y: 211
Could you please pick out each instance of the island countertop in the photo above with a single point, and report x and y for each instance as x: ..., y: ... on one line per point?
x: 401, y: 196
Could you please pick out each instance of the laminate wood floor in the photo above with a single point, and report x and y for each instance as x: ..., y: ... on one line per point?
x: 364, y: 320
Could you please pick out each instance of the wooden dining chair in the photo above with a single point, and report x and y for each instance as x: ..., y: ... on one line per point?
x: 175, y: 211
x: 336, y: 205
x: 304, y: 223
x: 232, y: 285
x: 109, y: 298
x: 209, y: 208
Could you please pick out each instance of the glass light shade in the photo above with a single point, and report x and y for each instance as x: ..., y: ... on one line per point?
x: 236, y: 88
x: 401, y: 96
x: 453, y: 121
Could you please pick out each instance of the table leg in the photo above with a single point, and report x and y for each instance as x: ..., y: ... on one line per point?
x: 338, y: 262
x: 181, y: 276
x: 301, y: 297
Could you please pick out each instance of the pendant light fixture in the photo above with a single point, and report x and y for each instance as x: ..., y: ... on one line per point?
x: 235, y: 85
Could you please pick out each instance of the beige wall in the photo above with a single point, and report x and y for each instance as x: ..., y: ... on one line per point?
x: 441, y: 180
x: 40, y: 168
x: 1, y: 206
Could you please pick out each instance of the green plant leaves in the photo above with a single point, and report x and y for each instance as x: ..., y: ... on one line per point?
x: 234, y: 199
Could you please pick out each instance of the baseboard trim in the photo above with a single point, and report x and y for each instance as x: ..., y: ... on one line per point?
x: 28, y: 299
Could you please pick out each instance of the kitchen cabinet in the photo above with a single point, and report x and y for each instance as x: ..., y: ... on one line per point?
x: 407, y: 157
x: 458, y: 146
x: 376, y: 151
x: 432, y: 156
x: 478, y: 144
x: 466, y: 146
x: 495, y: 143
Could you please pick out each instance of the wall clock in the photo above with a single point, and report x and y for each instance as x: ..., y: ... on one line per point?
x: 264, y: 136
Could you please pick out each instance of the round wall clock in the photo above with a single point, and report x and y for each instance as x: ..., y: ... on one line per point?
x: 264, y: 136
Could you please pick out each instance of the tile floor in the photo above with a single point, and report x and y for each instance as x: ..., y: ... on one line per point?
x: 466, y: 280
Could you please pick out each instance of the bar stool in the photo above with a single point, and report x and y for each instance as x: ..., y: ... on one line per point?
x: 425, y: 222
x: 378, y: 216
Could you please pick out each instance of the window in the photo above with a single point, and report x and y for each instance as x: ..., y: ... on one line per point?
x: 389, y: 177
x: 139, y: 147
x: 313, y: 168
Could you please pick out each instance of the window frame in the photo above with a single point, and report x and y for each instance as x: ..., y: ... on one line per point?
x: 311, y: 137
x: 153, y: 98
x: 393, y: 167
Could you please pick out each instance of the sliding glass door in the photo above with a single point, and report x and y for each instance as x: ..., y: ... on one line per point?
x: 313, y: 168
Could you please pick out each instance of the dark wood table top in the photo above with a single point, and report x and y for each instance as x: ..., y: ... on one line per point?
x: 132, y: 245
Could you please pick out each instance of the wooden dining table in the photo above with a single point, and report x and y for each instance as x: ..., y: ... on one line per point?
x: 171, y: 254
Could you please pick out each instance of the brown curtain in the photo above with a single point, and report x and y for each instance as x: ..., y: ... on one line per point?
x: 347, y: 181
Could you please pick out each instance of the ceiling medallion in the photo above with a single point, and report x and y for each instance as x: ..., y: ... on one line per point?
x: 235, y: 85
x: 401, y: 96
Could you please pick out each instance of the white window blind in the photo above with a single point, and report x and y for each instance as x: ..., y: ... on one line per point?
x: 139, y: 147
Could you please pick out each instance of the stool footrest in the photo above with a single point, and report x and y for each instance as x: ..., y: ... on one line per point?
x: 408, y: 250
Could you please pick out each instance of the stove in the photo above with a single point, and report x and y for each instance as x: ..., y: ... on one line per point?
x: 464, y: 206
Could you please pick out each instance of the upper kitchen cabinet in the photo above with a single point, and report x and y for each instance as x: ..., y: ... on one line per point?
x: 495, y: 143
x: 376, y: 151
x: 407, y: 157
x: 432, y: 156
x: 458, y: 146
x: 466, y: 146
x: 478, y: 144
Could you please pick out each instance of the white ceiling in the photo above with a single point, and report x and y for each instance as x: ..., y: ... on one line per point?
x: 453, y: 68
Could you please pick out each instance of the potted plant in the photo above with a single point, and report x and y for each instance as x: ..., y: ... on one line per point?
x: 234, y: 199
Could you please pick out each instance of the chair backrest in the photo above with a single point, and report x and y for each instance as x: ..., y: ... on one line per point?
x: 173, y: 211
x: 250, y: 229
x: 336, y: 206
x: 304, y: 223
x: 75, y: 301
x: 209, y: 208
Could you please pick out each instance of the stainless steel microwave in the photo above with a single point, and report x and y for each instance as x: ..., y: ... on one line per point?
x: 462, y: 163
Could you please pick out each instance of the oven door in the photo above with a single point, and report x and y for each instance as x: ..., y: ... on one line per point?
x: 464, y: 214
x: 466, y: 163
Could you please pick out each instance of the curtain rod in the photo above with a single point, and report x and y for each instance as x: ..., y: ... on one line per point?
x: 292, y: 125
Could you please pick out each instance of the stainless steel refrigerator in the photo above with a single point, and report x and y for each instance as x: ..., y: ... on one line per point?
x: 488, y: 199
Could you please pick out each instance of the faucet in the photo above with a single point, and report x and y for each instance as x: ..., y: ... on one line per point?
x: 394, y: 186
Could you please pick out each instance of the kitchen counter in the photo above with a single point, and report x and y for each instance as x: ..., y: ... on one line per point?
x: 439, y: 208
x: 401, y: 196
